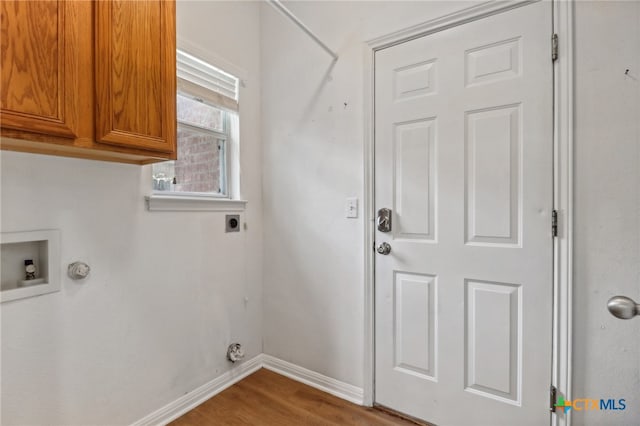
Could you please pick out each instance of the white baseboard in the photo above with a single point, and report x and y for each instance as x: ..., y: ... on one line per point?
x: 191, y: 400
x: 327, y: 384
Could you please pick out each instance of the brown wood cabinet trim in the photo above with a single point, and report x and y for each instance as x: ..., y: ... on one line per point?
x: 128, y: 139
x: 34, y: 123
x: 11, y: 137
x: 61, y: 147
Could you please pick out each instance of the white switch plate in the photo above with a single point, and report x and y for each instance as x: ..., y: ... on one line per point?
x: 351, y: 208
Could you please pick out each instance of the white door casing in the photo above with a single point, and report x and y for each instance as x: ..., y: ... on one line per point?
x: 463, y: 157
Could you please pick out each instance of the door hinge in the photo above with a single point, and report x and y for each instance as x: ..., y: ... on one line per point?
x: 553, y: 393
x: 554, y: 223
x: 554, y: 47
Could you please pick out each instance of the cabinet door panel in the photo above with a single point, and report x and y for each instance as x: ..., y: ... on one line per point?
x: 44, y: 51
x: 135, y: 74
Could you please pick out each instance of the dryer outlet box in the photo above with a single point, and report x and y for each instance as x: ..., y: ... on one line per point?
x: 232, y: 223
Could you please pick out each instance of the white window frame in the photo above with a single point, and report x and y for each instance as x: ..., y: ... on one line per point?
x: 196, y: 201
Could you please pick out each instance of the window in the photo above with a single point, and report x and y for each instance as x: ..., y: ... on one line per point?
x: 207, y: 113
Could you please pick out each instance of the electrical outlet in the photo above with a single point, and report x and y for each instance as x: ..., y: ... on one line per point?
x: 351, y: 208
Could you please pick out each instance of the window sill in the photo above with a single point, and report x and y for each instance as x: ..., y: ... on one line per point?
x: 183, y: 203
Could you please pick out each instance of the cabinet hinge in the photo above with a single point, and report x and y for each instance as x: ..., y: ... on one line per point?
x: 554, y: 223
x: 554, y: 47
x: 553, y: 393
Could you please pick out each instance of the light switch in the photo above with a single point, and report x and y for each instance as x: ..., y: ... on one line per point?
x: 351, y: 208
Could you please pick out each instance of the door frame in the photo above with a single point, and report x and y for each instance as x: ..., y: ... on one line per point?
x: 563, y: 111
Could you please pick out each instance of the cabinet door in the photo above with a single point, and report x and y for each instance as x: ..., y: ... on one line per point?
x: 135, y: 61
x: 46, y: 76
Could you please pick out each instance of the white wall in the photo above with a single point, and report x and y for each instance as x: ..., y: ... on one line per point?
x: 607, y: 206
x: 167, y: 291
x: 313, y: 160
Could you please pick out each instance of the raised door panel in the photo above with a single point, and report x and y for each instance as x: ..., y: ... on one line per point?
x: 493, y: 175
x: 46, y: 48
x: 136, y: 74
x: 415, y: 328
x: 493, y: 340
x: 414, y: 178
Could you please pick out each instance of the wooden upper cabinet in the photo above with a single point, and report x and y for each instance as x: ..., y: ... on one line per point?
x: 46, y: 54
x: 89, y: 79
x: 135, y: 66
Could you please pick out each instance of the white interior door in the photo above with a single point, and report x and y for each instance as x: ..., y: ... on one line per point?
x: 463, y: 158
